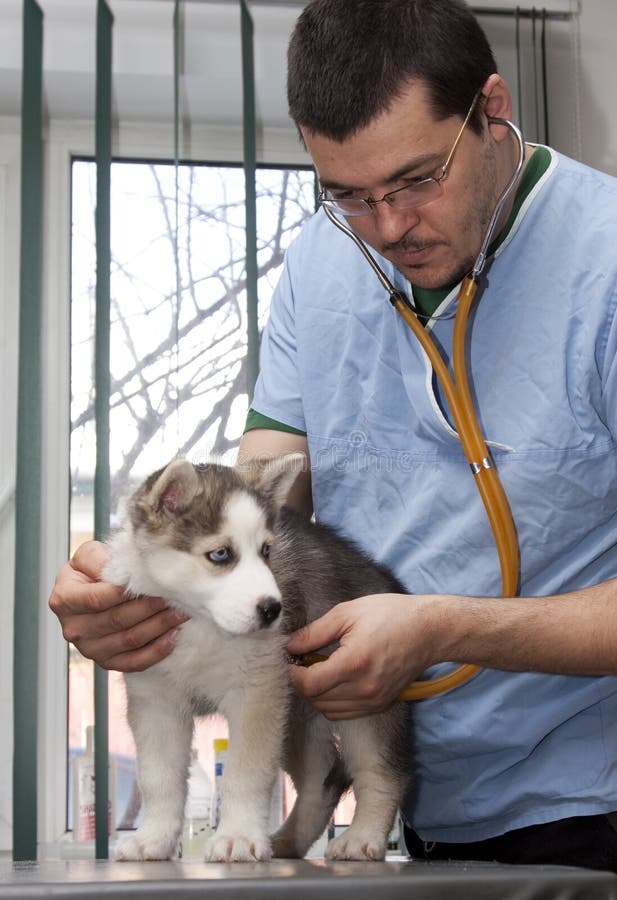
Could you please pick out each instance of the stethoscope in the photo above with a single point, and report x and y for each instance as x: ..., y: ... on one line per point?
x: 461, y: 407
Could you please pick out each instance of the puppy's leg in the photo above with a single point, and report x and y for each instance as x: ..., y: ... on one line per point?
x: 162, y: 728
x: 256, y: 718
x: 319, y: 777
x: 379, y: 781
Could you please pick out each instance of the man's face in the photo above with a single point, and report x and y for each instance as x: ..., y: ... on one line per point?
x: 434, y: 245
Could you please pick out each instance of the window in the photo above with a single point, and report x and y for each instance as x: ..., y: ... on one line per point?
x: 178, y: 353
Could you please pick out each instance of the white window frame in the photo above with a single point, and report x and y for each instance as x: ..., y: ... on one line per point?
x: 9, y: 329
x: 65, y: 141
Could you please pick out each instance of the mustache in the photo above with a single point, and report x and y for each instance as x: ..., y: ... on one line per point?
x: 405, y: 244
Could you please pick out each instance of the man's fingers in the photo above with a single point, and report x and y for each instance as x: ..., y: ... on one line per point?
x: 343, y: 711
x: 137, y: 660
x: 84, y: 598
x: 319, y: 633
x: 332, y: 677
x: 126, y: 626
x: 77, y: 589
x: 117, y: 631
x: 335, y: 703
x: 121, y: 617
x: 89, y: 559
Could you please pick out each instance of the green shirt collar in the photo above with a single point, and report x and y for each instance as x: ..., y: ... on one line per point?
x: 427, y: 300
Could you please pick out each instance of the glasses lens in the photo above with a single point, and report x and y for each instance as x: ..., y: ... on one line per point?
x: 411, y: 195
x: 353, y: 207
x: 414, y: 194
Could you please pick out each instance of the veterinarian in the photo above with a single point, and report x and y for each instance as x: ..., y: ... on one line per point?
x: 519, y: 764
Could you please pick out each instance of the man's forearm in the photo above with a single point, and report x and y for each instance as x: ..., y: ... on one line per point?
x: 573, y: 633
x: 263, y: 443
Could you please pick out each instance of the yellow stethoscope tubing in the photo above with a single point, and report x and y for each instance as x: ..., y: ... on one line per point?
x: 460, y: 403
x: 486, y: 477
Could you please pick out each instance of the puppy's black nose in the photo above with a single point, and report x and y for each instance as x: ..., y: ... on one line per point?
x: 268, y: 609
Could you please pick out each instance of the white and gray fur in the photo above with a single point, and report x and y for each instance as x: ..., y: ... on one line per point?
x: 282, y: 572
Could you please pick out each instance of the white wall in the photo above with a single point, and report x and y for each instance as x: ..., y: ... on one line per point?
x: 598, y: 78
x: 581, y: 89
x: 583, y: 124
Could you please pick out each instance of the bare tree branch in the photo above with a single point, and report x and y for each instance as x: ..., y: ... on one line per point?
x: 168, y: 355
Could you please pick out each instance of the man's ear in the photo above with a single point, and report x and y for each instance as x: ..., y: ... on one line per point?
x: 273, y: 476
x: 497, y: 103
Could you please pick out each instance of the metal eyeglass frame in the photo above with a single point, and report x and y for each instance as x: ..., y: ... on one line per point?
x: 389, y: 198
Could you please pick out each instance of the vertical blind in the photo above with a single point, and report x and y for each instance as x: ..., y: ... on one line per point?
x: 28, y: 473
x: 104, y: 28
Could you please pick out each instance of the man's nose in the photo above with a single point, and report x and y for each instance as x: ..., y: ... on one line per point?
x: 393, y: 223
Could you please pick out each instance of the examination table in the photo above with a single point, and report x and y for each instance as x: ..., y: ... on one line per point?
x: 299, y: 879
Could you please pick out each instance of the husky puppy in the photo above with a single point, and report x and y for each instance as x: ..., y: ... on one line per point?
x: 219, y: 545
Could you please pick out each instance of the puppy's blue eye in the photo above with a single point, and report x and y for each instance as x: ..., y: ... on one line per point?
x: 222, y: 555
x: 265, y: 551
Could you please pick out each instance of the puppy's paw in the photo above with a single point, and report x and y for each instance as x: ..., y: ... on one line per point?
x: 146, y: 845
x: 223, y: 847
x: 358, y: 845
x: 285, y: 847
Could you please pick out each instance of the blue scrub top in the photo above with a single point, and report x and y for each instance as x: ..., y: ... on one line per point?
x: 505, y: 750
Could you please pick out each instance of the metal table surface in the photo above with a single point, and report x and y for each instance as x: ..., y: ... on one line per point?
x: 390, y: 880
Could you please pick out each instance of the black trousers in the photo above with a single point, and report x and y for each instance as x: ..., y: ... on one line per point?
x: 586, y: 841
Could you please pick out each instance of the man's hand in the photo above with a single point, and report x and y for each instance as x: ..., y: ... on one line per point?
x: 383, y: 647
x: 126, y: 634
x: 387, y: 640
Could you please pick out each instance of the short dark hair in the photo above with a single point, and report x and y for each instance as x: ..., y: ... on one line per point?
x: 348, y: 60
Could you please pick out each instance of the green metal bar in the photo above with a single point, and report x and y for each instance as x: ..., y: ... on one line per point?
x: 176, y: 87
x: 534, y: 42
x: 28, y: 475
x: 102, y: 379
x: 546, y: 138
x: 519, y: 72
x: 250, y: 166
x: 177, y: 22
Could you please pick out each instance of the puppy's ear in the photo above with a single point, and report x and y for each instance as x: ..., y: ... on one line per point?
x: 273, y: 476
x: 175, y: 488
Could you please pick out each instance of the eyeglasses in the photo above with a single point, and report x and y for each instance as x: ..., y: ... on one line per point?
x: 407, y: 197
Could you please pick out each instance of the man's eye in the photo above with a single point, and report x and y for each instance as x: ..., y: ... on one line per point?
x: 220, y: 556
x: 417, y: 179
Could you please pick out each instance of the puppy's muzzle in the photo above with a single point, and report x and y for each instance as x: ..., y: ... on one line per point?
x: 268, y: 610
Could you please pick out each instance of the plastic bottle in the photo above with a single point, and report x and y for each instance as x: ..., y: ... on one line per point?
x: 196, y: 811
x: 220, y: 757
x: 396, y: 842
x: 84, y: 810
